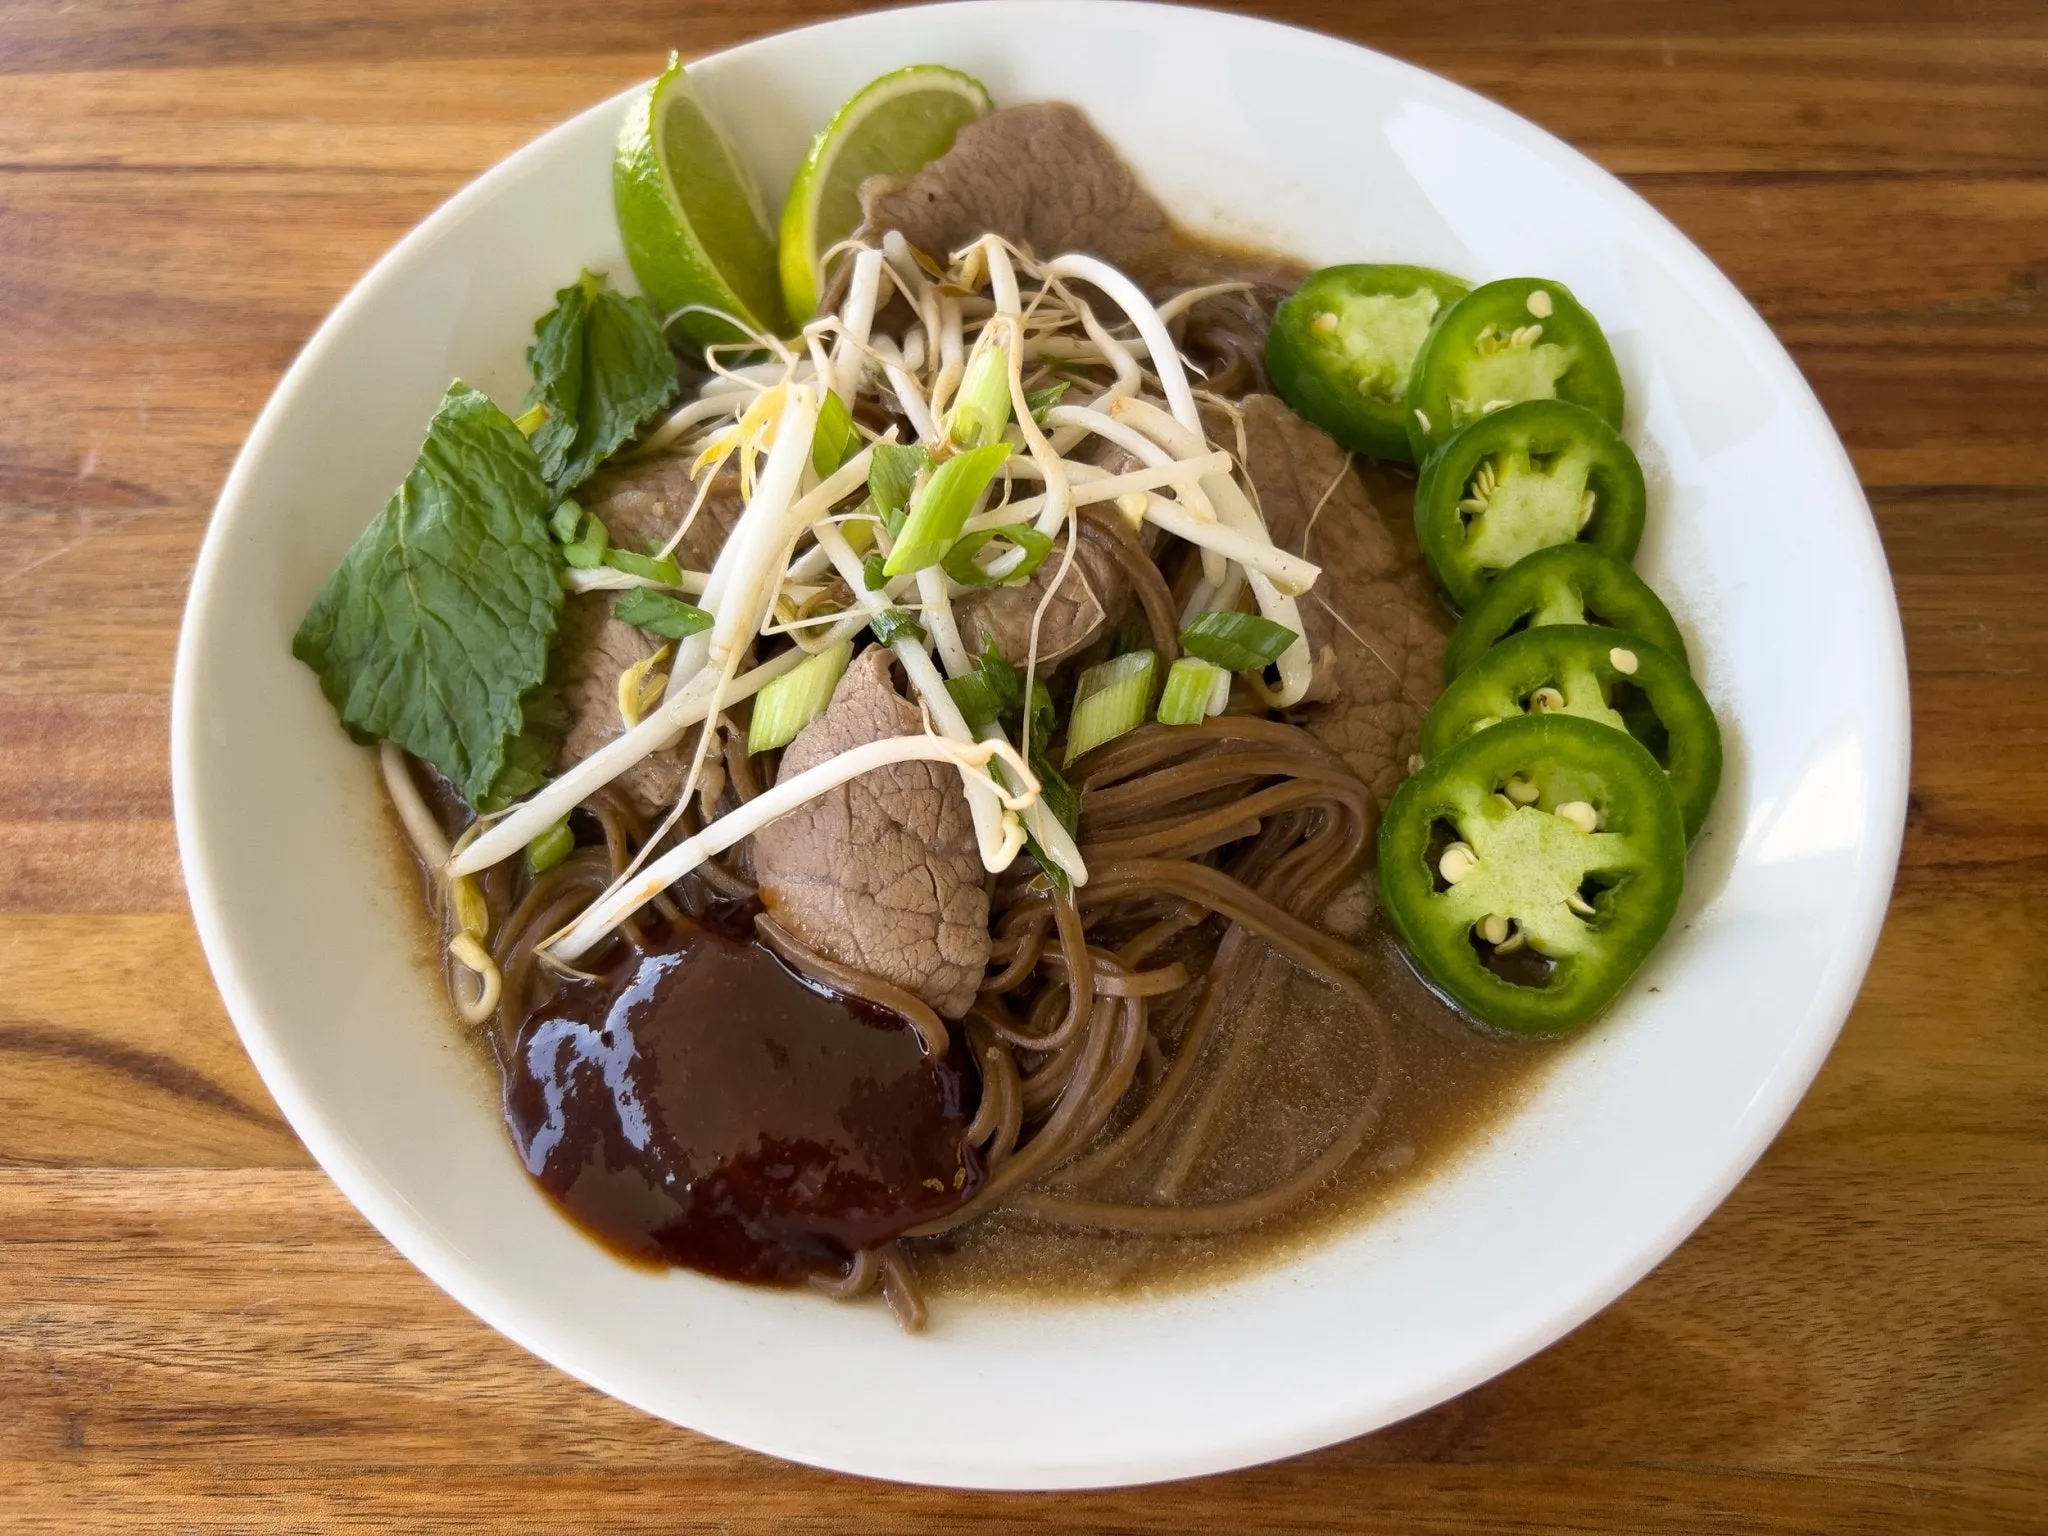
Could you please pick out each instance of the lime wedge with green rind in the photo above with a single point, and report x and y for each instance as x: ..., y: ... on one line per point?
x: 893, y: 126
x: 691, y: 216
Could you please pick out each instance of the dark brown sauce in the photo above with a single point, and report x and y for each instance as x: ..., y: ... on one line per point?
x: 703, y: 1105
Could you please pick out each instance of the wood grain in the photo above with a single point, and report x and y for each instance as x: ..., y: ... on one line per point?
x: 196, y: 1331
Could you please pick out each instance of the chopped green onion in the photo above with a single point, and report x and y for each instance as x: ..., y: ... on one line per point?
x: 1042, y: 400
x: 530, y: 420
x: 1111, y: 699
x: 942, y: 507
x: 1057, y: 794
x: 990, y: 691
x: 859, y: 530
x: 662, y: 569
x: 797, y: 698
x: 871, y: 575
x: 660, y: 614
x: 1195, y: 690
x: 550, y: 848
x: 982, y: 408
x: 833, y: 440
x: 1237, y: 642
x: 961, y: 565
x: 566, y: 518
x: 590, y: 548
x: 893, y: 624
x: 892, y: 475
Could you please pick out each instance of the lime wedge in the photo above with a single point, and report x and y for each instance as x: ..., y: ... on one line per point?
x: 691, y: 217
x: 891, y: 127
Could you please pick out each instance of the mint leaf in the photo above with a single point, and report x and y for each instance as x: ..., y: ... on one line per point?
x: 601, y: 367
x: 435, y: 628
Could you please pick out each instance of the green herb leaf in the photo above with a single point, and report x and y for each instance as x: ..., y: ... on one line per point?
x: 1042, y: 400
x: 834, y: 441
x: 961, y: 565
x: 529, y: 762
x: 660, y: 614
x: 437, y: 622
x: 893, y: 624
x: 601, y: 367
x: 1236, y: 642
x: 662, y: 568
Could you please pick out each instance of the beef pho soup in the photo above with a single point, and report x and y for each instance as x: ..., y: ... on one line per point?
x: 943, y: 859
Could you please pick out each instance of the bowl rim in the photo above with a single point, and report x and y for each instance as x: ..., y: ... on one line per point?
x: 1835, y: 990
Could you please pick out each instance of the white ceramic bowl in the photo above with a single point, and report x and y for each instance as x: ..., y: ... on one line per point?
x: 1759, y: 538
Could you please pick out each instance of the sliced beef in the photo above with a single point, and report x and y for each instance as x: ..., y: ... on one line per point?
x: 881, y: 873
x: 1086, y: 606
x: 639, y: 502
x: 592, y: 649
x: 1374, y: 622
x: 1042, y: 177
x: 1038, y: 175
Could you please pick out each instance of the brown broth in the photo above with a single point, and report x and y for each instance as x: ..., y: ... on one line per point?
x: 1454, y: 1082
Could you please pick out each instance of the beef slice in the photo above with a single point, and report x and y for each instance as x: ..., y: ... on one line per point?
x: 1042, y: 177
x: 1086, y: 605
x: 1373, y: 619
x: 1038, y: 175
x: 640, y: 502
x: 881, y: 873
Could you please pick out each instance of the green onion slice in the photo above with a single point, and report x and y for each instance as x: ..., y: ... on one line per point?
x: 661, y: 569
x: 990, y: 691
x: 871, y: 575
x: 893, y: 624
x: 660, y: 614
x: 1042, y: 400
x: 982, y: 409
x: 1237, y: 642
x: 833, y: 440
x: 1111, y: 699
x: 565, y: 520
x: 1195, y: 690
x: 892, y: 475
x: 961, y: 565
x: 591, y: 546
x: 550, y: 848
x: 941, y: 509
x: 797, y: 698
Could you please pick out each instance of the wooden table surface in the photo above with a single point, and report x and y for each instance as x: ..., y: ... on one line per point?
x: 197, y: 1330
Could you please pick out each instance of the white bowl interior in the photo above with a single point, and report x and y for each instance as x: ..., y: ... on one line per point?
x: 1759, y: 539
